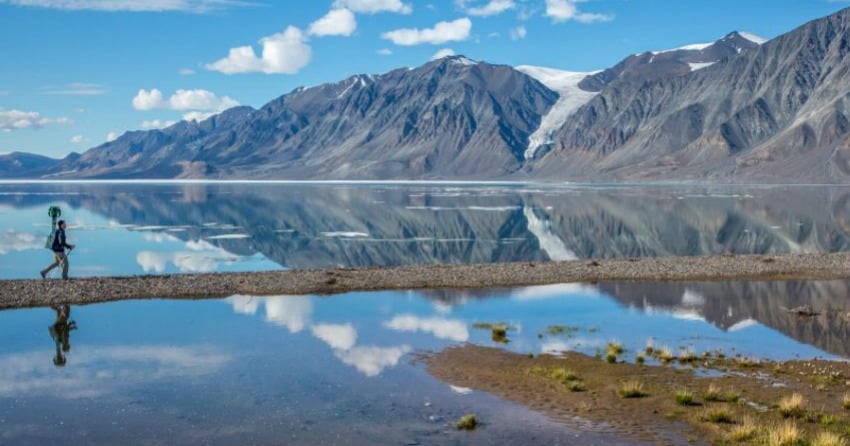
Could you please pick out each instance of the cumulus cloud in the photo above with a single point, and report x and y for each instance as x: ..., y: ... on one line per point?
x: 442, y: 32
x: 193, y: 6
x: 11, y: 120
x: 337, y: 336
x: 156, y: 124
x: 493, y: 7
x: 385, y: 51
x: 445, y: 52
x: 337, y: 22
x: 111, y: 136
x: 518, y: 33
x: 182, y: 100
x: 32, y: 373
x: 442, y: 328
x: 563, y: 10
x: 12, y: 241
x: 77, y: 139
x: 201, y: 257
x: 283, y: 53
x: 75, y: 89
x: 372, y: 360
x: 374, y: 6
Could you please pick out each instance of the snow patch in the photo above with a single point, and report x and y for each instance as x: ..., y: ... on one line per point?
x: 692, y: 47
x: 759, y: 40
x: 549, y: 242
x: 700, y: 65
x: 565, y: 83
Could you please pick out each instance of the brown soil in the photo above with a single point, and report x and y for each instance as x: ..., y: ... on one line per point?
x: 758, y: 385
x: 31, y: 293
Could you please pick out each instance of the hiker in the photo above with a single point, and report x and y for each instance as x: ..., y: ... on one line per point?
x: 60, y: 331
x: 59, y: 255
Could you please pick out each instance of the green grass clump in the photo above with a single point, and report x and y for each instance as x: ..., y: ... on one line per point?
x: 556, y: 330
x: 715, y: 395
x: 845, y: 401
x: 615, y: 348
x: 687, y: 356
x: 562, y: 375
x: 666, y: 355
x: 793, y: 406
x: 685, y: 397
x: 717, y: 414
x: 467, y: 423
x: 640, y: 359
x: 632, y: 389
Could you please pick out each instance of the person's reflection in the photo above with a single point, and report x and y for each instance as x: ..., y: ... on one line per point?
x: 60, y: 331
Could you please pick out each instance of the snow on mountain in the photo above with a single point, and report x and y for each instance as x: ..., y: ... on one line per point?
x: 752, y: 37
x: 565, y: 83
x: 700, y: 65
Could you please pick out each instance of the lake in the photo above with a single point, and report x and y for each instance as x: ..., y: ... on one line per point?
x: 344, y: 369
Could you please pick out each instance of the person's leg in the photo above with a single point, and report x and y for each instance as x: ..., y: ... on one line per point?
x: 64, y: 266
x: 56, y: 262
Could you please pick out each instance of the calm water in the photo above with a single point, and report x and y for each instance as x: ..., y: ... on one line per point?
x: 136, y: 229
x: 343, y: 369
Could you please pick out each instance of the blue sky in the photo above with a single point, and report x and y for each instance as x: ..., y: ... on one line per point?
x: 73, y: 69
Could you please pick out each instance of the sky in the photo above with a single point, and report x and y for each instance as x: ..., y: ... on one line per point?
x: 77, y: 73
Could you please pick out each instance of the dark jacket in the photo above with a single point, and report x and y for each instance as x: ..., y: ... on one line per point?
x: 59, y: 241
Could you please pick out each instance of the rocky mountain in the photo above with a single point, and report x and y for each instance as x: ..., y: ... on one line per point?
x: 778, y: 113
x: 451, y: 118
x: 738, y: 109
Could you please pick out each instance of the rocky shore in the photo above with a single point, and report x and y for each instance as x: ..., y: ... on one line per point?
x: 34, y: 293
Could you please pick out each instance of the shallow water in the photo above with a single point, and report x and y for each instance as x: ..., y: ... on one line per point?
x: 166, y: 228
x: 343, y: 370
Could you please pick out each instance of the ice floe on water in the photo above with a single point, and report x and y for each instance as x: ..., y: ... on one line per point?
x: 228, y: 237
x: 345, y: 234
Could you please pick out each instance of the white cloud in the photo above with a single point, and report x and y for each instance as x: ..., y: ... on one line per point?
x: 201, y: 257
x: 194, y: 6
x: 374, y: 6
x: 442, y: 328
x: 111, y: 136
x: 28, y: 374
x: 563, y: 10
x: 77, y: 139
x: 292, y: 312
x: 148, y: 100
x: 156, y: 124
x: 75, y: 89
x: 186, y: 71
x: 518, y: 33
x: 283, y: 53
x: 493, y: 7
x: 372, y: 360
x: 339, y: 336
x: 337, y: 22
x: 385, y: 51
x: 200, y: 100
x: 12, y: 241
x: 445, y: 52
x: 442, y: 32
x: 17, y: 120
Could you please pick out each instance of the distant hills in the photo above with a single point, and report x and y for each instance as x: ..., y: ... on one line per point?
x: 736, y: 110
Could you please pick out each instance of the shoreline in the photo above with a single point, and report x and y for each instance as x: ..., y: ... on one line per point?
x: 25, y: 293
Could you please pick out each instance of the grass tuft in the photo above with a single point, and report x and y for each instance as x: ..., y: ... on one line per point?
x: 746, y: 430
x: 685, y: 397
x: 792, y: 406
x: 785, y: 434
x: 467, y: 423
x: 632, y: 389
x: 666, y: 355
x: 687, y: 356
x: 845, y: 401
x: 828, y: 439
x: 718, y: 414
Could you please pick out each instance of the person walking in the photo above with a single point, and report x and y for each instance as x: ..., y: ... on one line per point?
x: 59, y: 255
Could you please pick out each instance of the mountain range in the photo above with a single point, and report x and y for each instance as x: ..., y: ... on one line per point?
x: 740, y: 109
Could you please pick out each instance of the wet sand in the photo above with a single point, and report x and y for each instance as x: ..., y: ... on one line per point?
x: 33, y: 293
x: 748, y: 389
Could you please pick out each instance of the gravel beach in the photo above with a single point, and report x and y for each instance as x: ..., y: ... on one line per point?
x: 35, y: 293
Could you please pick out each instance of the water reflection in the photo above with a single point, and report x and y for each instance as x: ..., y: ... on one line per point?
x: 199, y: 228
x: 60, y: 331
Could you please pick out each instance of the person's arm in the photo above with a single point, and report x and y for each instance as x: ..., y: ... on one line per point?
x: 64, y: 241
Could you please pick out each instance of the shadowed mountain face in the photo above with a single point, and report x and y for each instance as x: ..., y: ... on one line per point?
x: 734, y: 110
x: 449, y: 118
x: 778, y: 113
